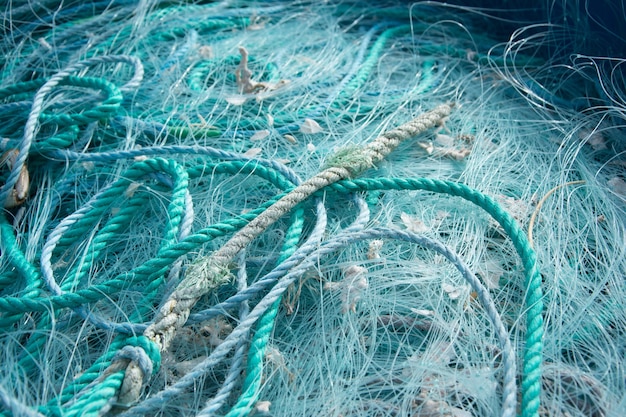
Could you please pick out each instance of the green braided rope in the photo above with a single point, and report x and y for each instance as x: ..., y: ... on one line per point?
x: 26, y: 271
x: 241, y: 168
x: 291, y: 241
x: 111, y: 196
x: 108, y: 107
x: 184, y: 132
x: 167, y: 253
x: 98, y: 398
x: 531, y: 384
x: 10, y: 248
x: 100, y: 241
x: 256, y: 353
x: 531, y: 378
x: 149, y: 270
x: 372, y: 59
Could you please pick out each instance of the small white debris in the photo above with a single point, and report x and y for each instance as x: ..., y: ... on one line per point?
x: 594, y: 139
x: 618, y: 186
x: 413, y: 224
x: 374, y: 249
x: 310, y: 126
x: 262, y: 406
x: 441, y: 353
x: 351, y: 286
x: 140, y: 158
x: 491, y: 271
x: 205, y: 52
x: 425, y: 313
x: 236, y: 100
x: 310, y: 147
x: 459, y: 155
x: 44, y: 43
x: 291, y: 139
x: 132, y: 187
x: 452, y: 291
x: 270, y: 120
x: 428, y: 147
x: 444, y: 140
x: 260, y: 134
x: 252, y: 152
x: 88, y: 166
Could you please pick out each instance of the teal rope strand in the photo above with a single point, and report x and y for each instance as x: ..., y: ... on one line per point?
x: 95, y: 370
x: 152, y: 266
x: 98, y: 399
x: 10, y: 248
x: 114, y: 226
x: 258, y: 346
x: 141, y: 169
x: 27, y: 273
x: 372, y: 59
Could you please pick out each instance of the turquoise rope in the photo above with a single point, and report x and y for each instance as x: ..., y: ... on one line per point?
x: 102, y: 393
x: 531, y: 379
x: 532, y: 357
x: 27, y: 275
x: 531, y: 383
x: 99, y: 398
x: 258, y: 345
x: 113, y: 227
x: 157, y: 265
x: 372, y: 59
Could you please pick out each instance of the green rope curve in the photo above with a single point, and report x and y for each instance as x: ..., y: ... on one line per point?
x: 258, y: 345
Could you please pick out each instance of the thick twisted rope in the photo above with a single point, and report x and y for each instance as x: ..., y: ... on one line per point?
x: 213, y: 271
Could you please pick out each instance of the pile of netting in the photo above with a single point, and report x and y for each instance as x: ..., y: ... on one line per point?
x: 309, y: 209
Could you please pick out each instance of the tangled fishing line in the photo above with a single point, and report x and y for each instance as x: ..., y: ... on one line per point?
x: 309, y: 209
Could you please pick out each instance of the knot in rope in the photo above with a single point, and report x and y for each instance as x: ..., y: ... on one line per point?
x: 353, y: 158
x: 143, y: 359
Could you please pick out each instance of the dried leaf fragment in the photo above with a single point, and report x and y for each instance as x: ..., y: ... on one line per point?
x: 310, y: 126
x: 260, y: 134
x: 413, y: 224
x: 252, y: 152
